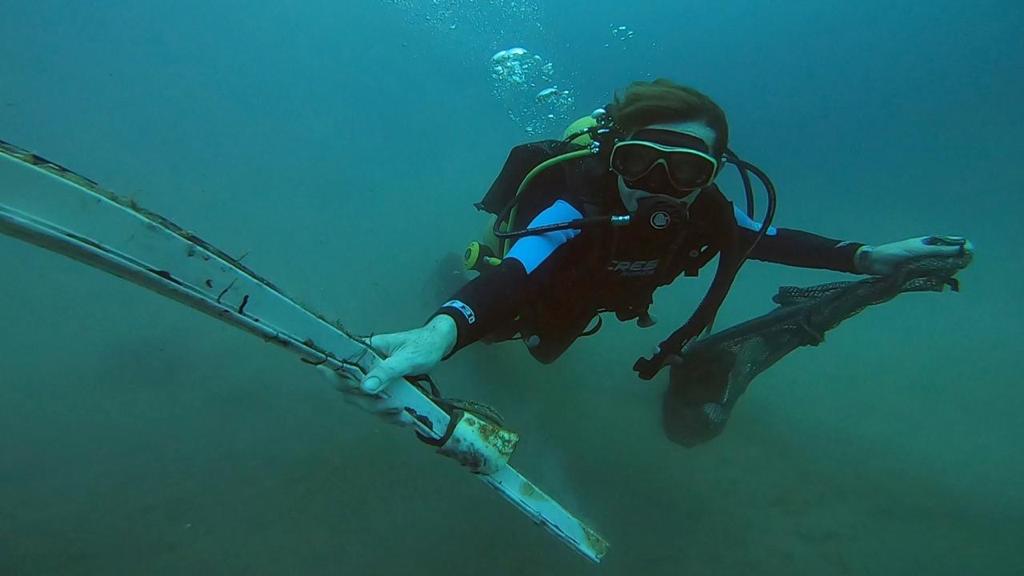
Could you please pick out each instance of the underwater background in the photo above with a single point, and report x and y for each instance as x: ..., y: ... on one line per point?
x: 340, y: 147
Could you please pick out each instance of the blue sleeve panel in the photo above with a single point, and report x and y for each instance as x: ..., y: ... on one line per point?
x: 746, y: 223
x: 532, y: 250
x: 492, y: 300
x: 797, y: 248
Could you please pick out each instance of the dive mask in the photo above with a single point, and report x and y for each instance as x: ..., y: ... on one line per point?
x: 688, y: 167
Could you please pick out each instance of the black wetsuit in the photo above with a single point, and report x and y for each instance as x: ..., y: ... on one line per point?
x: 549, y: 287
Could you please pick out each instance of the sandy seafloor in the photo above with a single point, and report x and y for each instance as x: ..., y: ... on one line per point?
x: 341, y: 148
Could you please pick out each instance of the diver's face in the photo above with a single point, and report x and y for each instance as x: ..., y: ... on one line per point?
x: 656, y: 182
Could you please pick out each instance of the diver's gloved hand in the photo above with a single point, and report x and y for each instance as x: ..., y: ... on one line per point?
x: 409, y: 353
x: 372, y: 403
x: 883, y: 259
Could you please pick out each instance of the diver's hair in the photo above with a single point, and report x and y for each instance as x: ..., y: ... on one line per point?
x: 662, y: 101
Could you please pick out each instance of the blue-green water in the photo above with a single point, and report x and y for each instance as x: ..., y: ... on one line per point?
x: 341, y: 145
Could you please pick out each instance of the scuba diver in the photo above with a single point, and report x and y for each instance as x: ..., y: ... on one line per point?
x: 596, y: 222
